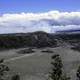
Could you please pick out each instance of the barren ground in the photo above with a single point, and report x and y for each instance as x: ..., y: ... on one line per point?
x: 36, y: 66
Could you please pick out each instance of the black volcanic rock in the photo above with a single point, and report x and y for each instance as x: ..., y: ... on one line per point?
x: 35, y: 39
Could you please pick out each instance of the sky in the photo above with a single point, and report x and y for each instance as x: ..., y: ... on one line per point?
x: 18, y: 6
x: 39, y: 15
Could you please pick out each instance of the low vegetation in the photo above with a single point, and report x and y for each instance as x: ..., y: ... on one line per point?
x: 57, y: 72
x: 47, y: 51
x: 15, y: 77
x: 76, y: 48
x: 4, y: 75
x: 78, y: 73
x: 26, y: 51
x: 3, y: 70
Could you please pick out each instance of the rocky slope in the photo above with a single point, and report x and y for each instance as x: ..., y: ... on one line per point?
x: 35, y: 39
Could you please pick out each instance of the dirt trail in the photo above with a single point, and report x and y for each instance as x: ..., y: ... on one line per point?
x: 19, y: 57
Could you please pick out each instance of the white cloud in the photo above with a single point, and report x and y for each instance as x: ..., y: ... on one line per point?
x: 50, y: 21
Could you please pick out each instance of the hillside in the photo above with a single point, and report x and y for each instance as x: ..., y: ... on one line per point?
x: 35, y: 39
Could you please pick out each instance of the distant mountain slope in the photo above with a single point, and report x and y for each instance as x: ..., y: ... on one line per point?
x: 71, y: 31
x: 35, y: 39
x: 69, y: 34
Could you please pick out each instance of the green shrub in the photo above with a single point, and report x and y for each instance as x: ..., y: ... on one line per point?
x: 57, y: 69
x: 15, y: 77
x: 3, y: 69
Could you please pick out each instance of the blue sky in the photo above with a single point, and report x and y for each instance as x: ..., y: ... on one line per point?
x: 17, y: 6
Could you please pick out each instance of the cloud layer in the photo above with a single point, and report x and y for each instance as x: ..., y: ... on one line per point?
x: 50, y: 22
